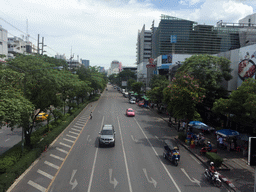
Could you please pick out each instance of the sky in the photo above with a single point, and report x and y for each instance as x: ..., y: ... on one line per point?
x: 105, y: 30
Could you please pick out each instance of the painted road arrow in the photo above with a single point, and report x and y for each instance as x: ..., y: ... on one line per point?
x: 74, y: 184
x: 193, y: 180
x: 114, y: 182
x: 150, y: 181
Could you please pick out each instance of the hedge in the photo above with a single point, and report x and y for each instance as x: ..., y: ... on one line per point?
x: 214, y: 157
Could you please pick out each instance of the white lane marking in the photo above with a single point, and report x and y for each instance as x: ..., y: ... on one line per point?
x: 192, y: 180
x: 65, y: 145
x: 195, y: 159
x: 76, y: 129
x: 71, y: 136
x: 114, y: 182
x: 81, y: 124
x: 7, y: 139
x: 134, y: 139
x: 150, y: 181
x: 88, y: 138
x: 168, y: 173
x: 94, y: 161
x: 51, y: 165
x: 74, y: 184
x: 39, y: 187
x: 61, y: 150
x: 82, y: 120
x: 157, y: 138
x: 44, y: 174
x: 68, y: 140
x: 73, y: 133
x: 57, y: 157
x: 125, y: 160
x: 79, y: 127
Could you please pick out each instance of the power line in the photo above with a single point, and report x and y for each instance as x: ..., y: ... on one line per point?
x: 24, y: 33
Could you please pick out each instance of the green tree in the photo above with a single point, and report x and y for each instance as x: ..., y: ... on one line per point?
x: 129, y: 83
x: 210, y: 71
x: 13, y: 105
x: 136, y: 87
x: 240, y: 105
x: 182, y: 95
x: 158, y: 83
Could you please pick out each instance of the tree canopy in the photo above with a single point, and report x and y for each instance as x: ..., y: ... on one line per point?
x: 210, y: 71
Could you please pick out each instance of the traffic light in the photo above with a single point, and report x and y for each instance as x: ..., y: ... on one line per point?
x: 252, y: 151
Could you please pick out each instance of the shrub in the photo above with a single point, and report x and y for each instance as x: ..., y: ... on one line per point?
x: 214, y: 157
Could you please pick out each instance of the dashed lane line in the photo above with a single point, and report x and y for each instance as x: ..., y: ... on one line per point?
x: 35, y: 185
x: 57, y: 157
x: 195, y: 159
x: 51, y: 165
x: 45, y: 174
x: 65, y: 145
x: 62, y: 150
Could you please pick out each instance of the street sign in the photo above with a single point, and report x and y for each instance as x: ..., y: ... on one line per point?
x: 173, y: 38
x: 252, y: 151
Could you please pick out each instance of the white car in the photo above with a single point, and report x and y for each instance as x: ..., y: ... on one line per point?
x: 132, y: 101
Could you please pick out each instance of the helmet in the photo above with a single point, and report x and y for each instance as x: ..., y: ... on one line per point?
x: 211, y: 163
x: 176, y: 148
x: 208, y: 142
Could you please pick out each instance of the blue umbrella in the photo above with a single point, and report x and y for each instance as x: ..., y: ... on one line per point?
x: 227, y: 132
x: 191, y: 123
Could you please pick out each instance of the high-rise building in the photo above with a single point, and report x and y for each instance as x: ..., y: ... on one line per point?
x: 60, y: 56
x: 143, y: 45
x: 18, y: 45
x: 3, y: 43
x: 192, y: 38
x: 86, y: 63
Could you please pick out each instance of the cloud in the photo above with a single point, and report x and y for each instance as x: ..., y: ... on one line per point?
x: 106, y: 30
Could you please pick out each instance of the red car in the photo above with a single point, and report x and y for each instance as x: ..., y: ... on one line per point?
x: 141, y: 103
x: 130, y: 112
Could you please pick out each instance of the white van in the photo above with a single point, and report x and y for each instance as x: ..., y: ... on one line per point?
x: 126, y: 94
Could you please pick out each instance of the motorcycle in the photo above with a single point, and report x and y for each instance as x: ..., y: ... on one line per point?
x: 204, y: 150
x: 215, y: 179
x: 171, y: 152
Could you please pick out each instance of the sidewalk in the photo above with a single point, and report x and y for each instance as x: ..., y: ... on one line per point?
x: 235, y: 170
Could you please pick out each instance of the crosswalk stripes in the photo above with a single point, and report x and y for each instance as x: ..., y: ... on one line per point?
x: 68, y: 140
x: 61, y: 150
x: 76, y: 129
x: 73, y: 133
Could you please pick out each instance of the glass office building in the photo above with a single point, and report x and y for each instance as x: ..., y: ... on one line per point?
x: 192, y: 38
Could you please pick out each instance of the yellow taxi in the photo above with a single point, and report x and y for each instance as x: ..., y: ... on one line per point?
x: 41, y: 116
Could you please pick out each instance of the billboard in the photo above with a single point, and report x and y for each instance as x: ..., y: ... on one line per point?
x: 167, y: 59
x: 124, y: 83
x: 252, y: 151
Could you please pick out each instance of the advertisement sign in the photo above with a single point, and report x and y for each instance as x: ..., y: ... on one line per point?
x: 124, y: 83
x: 252, y: 151
x: 173, y: 38
x: 167, y: 59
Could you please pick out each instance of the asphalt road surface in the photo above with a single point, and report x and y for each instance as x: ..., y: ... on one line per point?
x: 74, y: 162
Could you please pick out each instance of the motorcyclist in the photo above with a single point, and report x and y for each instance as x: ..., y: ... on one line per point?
x: 212, y: 169
x: 209, y: 147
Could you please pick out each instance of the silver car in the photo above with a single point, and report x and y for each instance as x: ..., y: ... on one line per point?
x: 107, y: 136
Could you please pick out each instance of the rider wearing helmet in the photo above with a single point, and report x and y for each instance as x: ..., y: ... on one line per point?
x: 212, y: 169
x: 209, y: 148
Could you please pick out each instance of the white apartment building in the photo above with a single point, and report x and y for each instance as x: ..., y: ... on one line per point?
x: 3, y: 42
x: 143, y: 53
x: 18, y: 45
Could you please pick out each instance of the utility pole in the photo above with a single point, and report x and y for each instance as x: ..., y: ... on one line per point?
x: 38, y: 43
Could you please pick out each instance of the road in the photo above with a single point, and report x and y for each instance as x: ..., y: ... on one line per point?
x: 74, y: 162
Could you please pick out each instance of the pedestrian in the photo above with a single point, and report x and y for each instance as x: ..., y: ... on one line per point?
x: 91, y: 115
x: 183, y: 125
x: 220, y: 141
